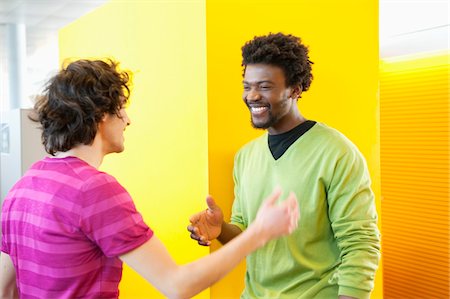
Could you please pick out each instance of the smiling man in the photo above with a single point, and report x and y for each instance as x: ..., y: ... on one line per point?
x: 335, y: 251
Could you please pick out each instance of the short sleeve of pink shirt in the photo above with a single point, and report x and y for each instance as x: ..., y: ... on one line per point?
x: 109, y: 217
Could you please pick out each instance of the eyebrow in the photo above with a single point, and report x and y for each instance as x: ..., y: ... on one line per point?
x: 258, y: 82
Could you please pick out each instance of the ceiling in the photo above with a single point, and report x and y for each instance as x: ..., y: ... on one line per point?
x: 413, y: 26
x: 43, y: 18
x: 399, y: 20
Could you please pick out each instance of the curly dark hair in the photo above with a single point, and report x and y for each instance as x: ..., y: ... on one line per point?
x: 284, y: 51
x: 76, y: 99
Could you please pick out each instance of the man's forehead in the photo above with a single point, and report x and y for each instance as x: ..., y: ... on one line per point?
x: 263, y: 72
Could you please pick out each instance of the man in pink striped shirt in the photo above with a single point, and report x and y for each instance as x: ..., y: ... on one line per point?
x: 67, y: 226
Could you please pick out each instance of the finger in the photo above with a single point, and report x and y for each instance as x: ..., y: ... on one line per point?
x: 292, y: 198
x: 193, y: 229
x: 294, y: 222
x: 211, y: 203
x: 204, y: 243
x: 194, y: 218
x: 295, y: 207
x: 273, y: 197
x: 292, y: 203
x: 196, y: 237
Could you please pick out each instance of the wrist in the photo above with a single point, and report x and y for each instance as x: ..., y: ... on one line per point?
x: 229, y: 231
x: 257, y: 234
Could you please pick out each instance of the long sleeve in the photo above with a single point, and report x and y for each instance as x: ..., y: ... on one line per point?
x: 354, y: 222
x: 236, y: 213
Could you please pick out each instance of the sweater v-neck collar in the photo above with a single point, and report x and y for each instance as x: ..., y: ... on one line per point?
x: 279, y: 144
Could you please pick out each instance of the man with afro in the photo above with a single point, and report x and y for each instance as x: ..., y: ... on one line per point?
x: 335, y: 251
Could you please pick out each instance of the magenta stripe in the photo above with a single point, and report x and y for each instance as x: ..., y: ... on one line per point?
x: 72, y: 271
x: 47, y: 198
x: 49, y: 248
x: 101, y: 179
x: 34, y: 292
x: 45, y: 211
x: 56, y: 177
x: 39, y: 221
x: 118, y: 226
x: 106, y: 204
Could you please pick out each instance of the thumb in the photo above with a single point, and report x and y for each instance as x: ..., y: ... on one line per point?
x: 273, y: 197
x: 292, y: 201
x: 211, y: 203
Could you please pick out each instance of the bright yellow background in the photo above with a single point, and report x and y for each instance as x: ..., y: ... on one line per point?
x: 415, y: 174
x: 164, y: 165
x: 179, y: 142
x: 343, y: 41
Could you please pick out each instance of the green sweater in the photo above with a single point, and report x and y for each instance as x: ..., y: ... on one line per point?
x: 336, y: 248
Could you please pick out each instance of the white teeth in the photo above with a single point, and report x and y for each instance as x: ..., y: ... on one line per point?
x: 258, y: 109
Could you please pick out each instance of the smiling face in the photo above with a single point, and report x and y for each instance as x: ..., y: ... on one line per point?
x: 272, y: 104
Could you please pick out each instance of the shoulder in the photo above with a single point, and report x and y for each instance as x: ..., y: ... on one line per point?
x: 253, y: 149
x: 328, y: 139
x: 96, y: 182
x: 102, y: 182
x: 328, y: 134
x: 95, y: 185
x: 259, y: 143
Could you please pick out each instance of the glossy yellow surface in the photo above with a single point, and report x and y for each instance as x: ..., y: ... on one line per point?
x: 164, y: 165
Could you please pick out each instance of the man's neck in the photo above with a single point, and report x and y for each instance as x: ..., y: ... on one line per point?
x: 90, y: 154
x: 287, y: 126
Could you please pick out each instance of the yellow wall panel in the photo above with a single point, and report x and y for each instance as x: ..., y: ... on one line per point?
x: 164, y: 165
x: 415, y: 172
x: 343, y: 41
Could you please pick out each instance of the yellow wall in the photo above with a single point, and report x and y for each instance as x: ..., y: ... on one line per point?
x: 343, y: 41
x: 164, y: 165
x: 415, y: 168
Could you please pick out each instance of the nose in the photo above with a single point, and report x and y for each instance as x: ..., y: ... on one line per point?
x: 125, y: 117
x: 252, y: 95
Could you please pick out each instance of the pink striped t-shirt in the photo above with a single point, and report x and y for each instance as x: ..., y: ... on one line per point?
x: 64, y: 224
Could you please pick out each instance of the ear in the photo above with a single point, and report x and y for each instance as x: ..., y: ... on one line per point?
x: 296, y: 91
x: 104, y: 117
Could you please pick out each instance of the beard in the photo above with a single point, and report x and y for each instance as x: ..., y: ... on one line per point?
x: 272, y: 118
x: 271, y: 121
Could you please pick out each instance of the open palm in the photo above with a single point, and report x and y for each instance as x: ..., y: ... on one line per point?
x: 206, y: 225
